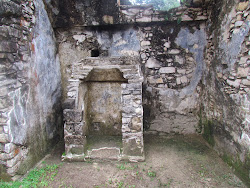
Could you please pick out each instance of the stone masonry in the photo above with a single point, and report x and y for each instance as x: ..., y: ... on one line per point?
x: 182, y: 71
x: 132, y: 111
x: 226, y: 84
x: 28, y: 123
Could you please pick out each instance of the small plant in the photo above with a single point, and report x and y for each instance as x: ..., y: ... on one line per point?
x: 110, y: 181
x: 120, y: 184
x: 121, y: 167
x: 179, y: 19
x: 203, y: 171
x: 89, y: 161
x: 169, y: 183
x: 151, y: 174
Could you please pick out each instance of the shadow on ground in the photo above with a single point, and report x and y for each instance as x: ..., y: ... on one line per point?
x: 176, y: 161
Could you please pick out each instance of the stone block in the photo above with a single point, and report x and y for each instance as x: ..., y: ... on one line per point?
x: 242, y: 72
x: 156, y: 18
x: 2, y: 147
x: 152, y: 63
x: 167, y: 70
x: 14, y: 161
x: 9, y: 8
x: 4, y: 31
x: 14, y: 169
x: 143, y: 56
x: 174, y: 52
x: 145, y: 43
x: 133, y: 146
x: 235, y: 83
x: 128, y: 110
x: 126, y: 120
x: 126, y: 92
x: 136, y: 124
x: 238, y: 23
x: 10, y: 147
x: 139, y: 111
x: 137, y: 92
x: 179, y: 60
x: 3, y: 138
x: 75, y: 149
x: 242, y: 6
x: 134, y: 86
x: 70, y: 115
x: 197, y: 2
x: 243, y: 60
x: 184, y: 79
x: 6, y: 156
x: 246, y: 82
x: 153, y: 80
x: 7, y: 46
x: 178, y: 81
x: 69, y: 104
x: 144, y: 19
x: 186, y: 18
x: 105, y: 153
x: 73, y: 129
x: 74, y: 140
x: 108, y: 19
x: 167, y: 44
x: 3, y: 90
x: 201, y: 18
x: 181, y: 71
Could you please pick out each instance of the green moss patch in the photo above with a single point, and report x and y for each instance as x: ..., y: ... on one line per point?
x: 241, y: 169
x: 208, y: 132
x: 36, y: 178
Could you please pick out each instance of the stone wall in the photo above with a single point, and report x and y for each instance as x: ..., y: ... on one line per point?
x: 78, y: 43
x: 171, y: 57
x: 147, y: 13
x: 70, y: 13
x: 29, y: 102
x: 225, y: 103
x: 195, y: 73
x: 131, y: 110
x: 173, y: 63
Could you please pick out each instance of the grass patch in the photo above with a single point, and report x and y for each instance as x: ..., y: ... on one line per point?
x: 241, y: 169
x: 35, y: 178
x: 151, y: 174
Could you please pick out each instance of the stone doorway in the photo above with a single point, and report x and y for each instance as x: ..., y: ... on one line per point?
x: 108, y: 97
x: 104, y: 116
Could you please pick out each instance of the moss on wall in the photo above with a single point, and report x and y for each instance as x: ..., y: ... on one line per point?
x: 208, y: 132
x: 241, y: 169
x: 3, y: 174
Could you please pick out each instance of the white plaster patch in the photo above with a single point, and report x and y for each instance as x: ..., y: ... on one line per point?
x: 79, y: 38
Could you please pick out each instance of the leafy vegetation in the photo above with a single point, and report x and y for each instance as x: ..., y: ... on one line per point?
x: 36, y: 178
x: 159, y: 4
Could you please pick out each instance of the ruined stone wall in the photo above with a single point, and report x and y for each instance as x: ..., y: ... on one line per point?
x: 78, y: 43
x: 225, y: 103
x: 71, y: 13
x: 30, y: 85
x: 171, y: 58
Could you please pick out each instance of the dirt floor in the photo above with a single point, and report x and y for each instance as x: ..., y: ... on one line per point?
x: 176, y: 161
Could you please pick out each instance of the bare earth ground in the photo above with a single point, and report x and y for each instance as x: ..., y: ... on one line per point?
x: 175, y: 161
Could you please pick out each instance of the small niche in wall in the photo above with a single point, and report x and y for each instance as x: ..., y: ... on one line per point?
x: 95, y: 53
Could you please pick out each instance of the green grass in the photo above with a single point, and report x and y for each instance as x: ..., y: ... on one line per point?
x: 121, y: 167
x: 36, y: 178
